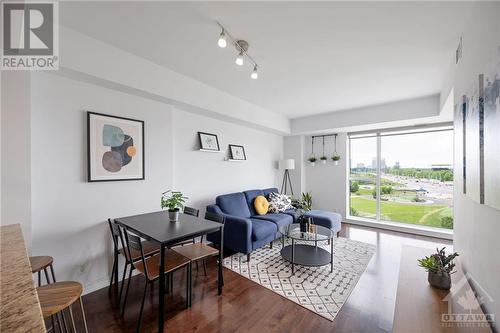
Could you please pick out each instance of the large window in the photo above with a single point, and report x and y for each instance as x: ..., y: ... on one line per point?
x: 403, y: 176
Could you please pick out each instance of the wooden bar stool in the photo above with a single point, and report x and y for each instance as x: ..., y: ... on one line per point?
x: 39, y: 263
x: 58, y: 296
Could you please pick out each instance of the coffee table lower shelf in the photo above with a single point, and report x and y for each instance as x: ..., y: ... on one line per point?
x: 306, y: 255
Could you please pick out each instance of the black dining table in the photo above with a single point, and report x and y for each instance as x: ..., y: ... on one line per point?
x: 157, y: 227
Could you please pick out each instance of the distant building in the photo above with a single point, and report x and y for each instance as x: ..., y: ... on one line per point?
x: 439, y: 167
x: 397, y: 165
x: 360, y: 166
x: 383, y: 166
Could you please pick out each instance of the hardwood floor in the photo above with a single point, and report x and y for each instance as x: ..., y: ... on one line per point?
x: 247, y: 307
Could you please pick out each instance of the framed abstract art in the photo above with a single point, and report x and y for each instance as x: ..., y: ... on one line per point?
x: 115, y: 148
x: 237, y: 152
x: 208, y: 141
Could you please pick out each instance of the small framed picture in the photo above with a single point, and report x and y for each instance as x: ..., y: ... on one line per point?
x: 208, y: 141
x: 237, y: 152
x: 115, y: 148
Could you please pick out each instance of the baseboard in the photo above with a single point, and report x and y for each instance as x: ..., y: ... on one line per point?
x: 103, y: 282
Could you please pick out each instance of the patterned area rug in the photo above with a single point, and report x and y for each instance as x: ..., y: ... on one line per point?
x: 314, y: 288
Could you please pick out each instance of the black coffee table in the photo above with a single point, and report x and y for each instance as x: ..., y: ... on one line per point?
x: 307, y: 252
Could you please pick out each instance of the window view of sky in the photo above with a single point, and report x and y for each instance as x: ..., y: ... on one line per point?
x: 411, y: 151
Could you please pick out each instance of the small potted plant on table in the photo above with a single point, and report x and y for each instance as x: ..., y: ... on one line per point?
x: 440, y: 267
x: 173, y: 201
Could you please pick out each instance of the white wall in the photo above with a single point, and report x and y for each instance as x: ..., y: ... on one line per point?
x: 16, y: 144
x: 327, y: 182
x: 477, y: 227
x: 203, y: 175
x: 69, y: 214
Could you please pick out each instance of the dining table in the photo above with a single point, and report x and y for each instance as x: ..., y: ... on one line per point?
x: 157, y: 227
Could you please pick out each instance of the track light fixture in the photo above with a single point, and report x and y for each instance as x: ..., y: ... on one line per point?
x: 222, y: 40
x: 239, y: 59
x: 241, y: 47
x: 255, y: 74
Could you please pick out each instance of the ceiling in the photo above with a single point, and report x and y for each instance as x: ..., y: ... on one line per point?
x: 315, y: 57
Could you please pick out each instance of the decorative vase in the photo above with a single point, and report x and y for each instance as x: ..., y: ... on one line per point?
x: 173, y: 215
x: 440, y: 281
x: 304, y: 223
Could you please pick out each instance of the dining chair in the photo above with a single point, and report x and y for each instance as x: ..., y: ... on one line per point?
x: 201, y: 251
x: 56, y: 297
x: 120, y: 247
x: 150, y: 268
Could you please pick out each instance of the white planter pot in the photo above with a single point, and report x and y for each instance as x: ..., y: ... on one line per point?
x: 323, y: 161
x: 335, y: 162
x: 313, y: 163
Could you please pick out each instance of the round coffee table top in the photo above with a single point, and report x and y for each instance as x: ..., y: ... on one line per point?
x: 314, y: 233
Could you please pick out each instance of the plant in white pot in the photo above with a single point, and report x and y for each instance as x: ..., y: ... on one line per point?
x: 173, y: 201
x: 440, y: 267
x: 336, y: 158
x: 323, y: 159
x: 312, y: 159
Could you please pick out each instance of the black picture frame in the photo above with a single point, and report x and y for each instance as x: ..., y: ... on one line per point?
x: 91, y: 178
x: 233, y: 155
x: 201, y: 142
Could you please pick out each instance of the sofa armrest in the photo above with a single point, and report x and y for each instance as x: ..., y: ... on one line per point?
x: 237, y: 231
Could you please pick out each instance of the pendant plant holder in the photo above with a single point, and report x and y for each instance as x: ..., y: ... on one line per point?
x: 323, y: 158
x: 312, y: 158
x: 336, y: 156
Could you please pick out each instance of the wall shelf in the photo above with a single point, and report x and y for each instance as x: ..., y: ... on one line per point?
x: 210, y: 151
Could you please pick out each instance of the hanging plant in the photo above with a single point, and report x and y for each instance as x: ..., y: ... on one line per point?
x: 336, y: 156
x: 312, y: 158
x: 323, y: 158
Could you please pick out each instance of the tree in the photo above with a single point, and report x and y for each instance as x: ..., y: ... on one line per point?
x: 354, y: 187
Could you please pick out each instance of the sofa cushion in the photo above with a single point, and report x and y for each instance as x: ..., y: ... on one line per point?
x: 267, y: 191
x: 262, y: 229
x: 278, y: 203
x: 279, y: 219
x: 330, y: 220
x: 250, y: 195
x: 233, y: 204
x: 261, y: 205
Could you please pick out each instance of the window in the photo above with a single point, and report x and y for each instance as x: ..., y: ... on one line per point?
x: 403, y: 176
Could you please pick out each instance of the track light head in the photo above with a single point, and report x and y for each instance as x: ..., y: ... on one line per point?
x: 239, y: 59
x: 222, y: 42
x: 255, y: 74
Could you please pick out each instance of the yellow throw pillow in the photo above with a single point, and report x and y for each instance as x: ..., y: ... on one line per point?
x: 261, y: 205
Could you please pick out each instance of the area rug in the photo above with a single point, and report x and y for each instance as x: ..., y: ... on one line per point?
x: 315, y: 288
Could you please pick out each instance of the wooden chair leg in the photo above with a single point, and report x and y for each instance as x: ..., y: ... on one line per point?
x: 205, y: 266
x: 72, y: 318
x: 53, y: 275
x: 139, y: 322
x: 83, y: 316
x: 46, y: 275
x: 39, y: 278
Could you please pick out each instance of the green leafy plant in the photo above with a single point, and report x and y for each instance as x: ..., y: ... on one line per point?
x: 354, y: 187
x: 439, y: 262
x: 312, y: 159
x: 172, y: 200
x: 307, y: 201
x: 336, y: 157
x: 447, y: 222
x: 323, y: 158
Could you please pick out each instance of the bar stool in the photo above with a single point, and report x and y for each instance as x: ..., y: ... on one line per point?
x: 39, y: 263
x: 58, y: 296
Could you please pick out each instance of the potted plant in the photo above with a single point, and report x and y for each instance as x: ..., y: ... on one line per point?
x: 312, y: 159
x: 439, y: 267
x: 173, y: 201
x: 302, y: 206
x: 323, y: 159
x: 336, y: 159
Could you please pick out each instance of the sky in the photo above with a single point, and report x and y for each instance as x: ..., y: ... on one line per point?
x: 411, y: 150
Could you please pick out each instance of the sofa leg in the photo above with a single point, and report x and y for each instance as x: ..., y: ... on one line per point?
x: 248, y: 257
x: 271, y: 245
x: 338, y: 233
x: 329, y: 241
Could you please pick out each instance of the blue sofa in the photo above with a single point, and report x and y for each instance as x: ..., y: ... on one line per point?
x: 245, y: 230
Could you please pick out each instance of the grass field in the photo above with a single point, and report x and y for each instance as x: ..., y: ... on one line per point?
x: 428, y: 215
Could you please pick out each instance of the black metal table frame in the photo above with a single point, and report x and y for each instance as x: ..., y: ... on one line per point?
x: 165, y: 245
x: 315, y: 245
